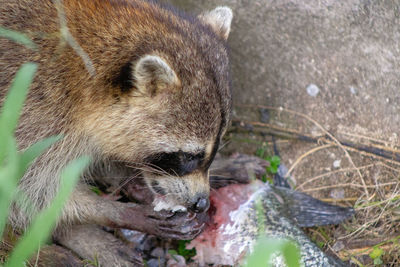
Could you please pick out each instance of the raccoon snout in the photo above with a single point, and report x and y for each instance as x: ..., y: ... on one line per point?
x: 201, y: 204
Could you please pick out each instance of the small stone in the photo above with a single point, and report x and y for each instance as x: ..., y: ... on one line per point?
x: 353, y: 90
x: 156, y: 263
x: 157, y: 253
x: 135, y: 237
x: 336, y: 163
x: 176, y: 261
x: 338, y: 246
x: 312, y: 90
x: 148, y: 244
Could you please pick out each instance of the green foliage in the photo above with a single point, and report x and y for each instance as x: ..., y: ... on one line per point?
x: 12, y: 106
x: 265, y: 248
x: 274, y: 162
x: 96, y: 190
x: 92, y: 263
x: 376, y: 255
x: 13, y: 165
x: 44, y: 222
x: 262, y: 152
x: 17, y: 37
x: 183, y: 251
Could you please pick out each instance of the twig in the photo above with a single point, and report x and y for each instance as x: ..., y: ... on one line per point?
x: 365, y: 137
x: 66, y: 34
x: 346, y: 199
x: 310, y: 180
x: 345, y: 185
x: 368, y: 150
x: 323, y: 130
x: 299, y: 159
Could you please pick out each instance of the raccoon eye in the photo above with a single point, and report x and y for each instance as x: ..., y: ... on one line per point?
x: 176, y: 163
x: 124, y: 78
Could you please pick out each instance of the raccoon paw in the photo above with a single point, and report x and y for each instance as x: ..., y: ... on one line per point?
x: 164, y: 224
x: 183, y: 226
x: 92, y: 243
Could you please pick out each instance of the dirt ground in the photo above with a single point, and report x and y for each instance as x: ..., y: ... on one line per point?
x: 322, y: 77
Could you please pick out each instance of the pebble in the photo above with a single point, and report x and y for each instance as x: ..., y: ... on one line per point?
x: 135, y: 237
x: 338, y: 246
x: 336, y: 163
x: 312, y: 90
x: 148, y: 244
x: 157, y: 253
x: 176, y: 261
x: 156, y: 263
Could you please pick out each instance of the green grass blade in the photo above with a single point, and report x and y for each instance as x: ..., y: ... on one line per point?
x: 13, y: 104
x: 8, y: 181
x: 17, y: 37
x: 267, y: 247
x: 12, y: 172
x: 42, y: 226
x: 291, y: 253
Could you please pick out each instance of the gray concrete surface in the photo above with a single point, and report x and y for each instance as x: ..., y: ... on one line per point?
x: 349, y: 50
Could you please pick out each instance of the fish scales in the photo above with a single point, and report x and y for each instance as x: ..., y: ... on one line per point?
x: 229, y: 240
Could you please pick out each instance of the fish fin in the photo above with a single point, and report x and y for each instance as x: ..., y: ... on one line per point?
x: 307, y: 211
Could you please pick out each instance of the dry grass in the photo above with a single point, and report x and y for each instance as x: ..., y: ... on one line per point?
x: 367, y: 179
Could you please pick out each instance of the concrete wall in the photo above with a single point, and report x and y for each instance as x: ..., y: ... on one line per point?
x: 349, y: 49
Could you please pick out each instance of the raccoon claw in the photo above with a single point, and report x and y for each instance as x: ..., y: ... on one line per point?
x: 163, y: 215
x: 180, y: 236
x: 183, y: 233
x: 165, y: 224
x: 180, y: 226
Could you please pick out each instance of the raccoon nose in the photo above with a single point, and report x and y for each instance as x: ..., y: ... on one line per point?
x: 201, y: 205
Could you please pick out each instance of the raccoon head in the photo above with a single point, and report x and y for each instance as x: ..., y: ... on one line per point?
x: 166, y: 105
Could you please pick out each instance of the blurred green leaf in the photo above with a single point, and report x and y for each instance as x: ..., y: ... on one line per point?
x: 274, y: 163
x: 260, y: 152
x: 172, y: 252
x: 260, y: 211
x: 96, y: 190
x: 183, y: 251
x: 8, y: 185
x: 12, y: 106
x: 275, y: 160
x: 267, y: 247
x: 376, y: 253
x: 320, y: 244
x: 44, y: 222
x: 17, y: 37
x: 378, y: 261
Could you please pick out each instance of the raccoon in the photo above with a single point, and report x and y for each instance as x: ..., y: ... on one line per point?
x: 155, y: 105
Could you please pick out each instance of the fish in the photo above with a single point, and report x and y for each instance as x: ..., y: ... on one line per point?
x: 233, y: 226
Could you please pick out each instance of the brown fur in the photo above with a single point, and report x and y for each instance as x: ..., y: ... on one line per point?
x: 184, y: 105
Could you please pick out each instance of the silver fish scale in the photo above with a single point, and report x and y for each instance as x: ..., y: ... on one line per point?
x: 277, y: 225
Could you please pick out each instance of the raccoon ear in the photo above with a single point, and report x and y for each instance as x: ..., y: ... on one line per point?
x: 219, y: 19
x: 152, y: 74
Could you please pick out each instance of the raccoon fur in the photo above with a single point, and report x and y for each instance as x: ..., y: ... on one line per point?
x: 155, y: 105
